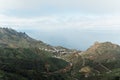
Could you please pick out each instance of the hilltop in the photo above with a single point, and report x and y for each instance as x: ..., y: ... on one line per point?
x: 103, y: 51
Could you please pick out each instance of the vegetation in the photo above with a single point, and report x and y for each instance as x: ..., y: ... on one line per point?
x: 29, y: 64
x: 24, y: 58
x: 100, y: 62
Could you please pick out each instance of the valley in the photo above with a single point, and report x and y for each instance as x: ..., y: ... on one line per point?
x: 25, y: 58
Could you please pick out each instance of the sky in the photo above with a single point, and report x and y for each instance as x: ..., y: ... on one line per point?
x: 70, y: 23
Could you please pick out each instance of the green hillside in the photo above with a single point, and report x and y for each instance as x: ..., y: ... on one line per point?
x: 29, y: 64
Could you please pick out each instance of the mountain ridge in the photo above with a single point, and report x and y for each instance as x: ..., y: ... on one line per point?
x: 13, y: 39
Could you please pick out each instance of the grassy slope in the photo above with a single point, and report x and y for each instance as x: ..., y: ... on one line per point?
x: 28, y: 64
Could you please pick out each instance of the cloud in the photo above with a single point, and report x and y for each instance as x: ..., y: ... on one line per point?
x: 70, y: 22
x: 82, y: 6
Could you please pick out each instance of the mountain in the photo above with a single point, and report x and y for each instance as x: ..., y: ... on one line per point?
x: 103, y: 51
x: 104, y: 58
x: 100, y: 62
x: 13, y: 39
x: 24, y: 58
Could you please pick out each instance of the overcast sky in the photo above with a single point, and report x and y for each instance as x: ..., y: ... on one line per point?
x: 70, y: 23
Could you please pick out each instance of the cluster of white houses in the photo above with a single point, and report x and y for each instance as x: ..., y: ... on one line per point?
x: 57, y: 51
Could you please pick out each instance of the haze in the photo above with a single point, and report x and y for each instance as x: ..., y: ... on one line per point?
x: 69, y: 23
